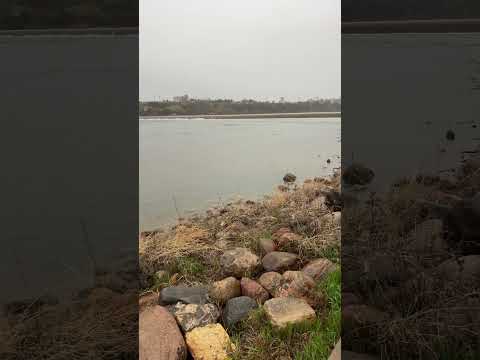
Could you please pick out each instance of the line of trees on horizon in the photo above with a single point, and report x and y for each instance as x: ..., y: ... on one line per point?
x: 46, y: 14
x: 187, y: 106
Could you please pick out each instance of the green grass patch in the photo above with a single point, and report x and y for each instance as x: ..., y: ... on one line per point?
x: 327, y: 333
x: 256, y: 339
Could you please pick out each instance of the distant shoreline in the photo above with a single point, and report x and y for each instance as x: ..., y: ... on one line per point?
x: 250, y: 116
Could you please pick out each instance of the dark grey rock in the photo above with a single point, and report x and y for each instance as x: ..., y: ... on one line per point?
x: 237, y: 309
x: 187, y: 295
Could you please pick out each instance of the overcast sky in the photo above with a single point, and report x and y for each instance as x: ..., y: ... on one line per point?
x: 261, y: 49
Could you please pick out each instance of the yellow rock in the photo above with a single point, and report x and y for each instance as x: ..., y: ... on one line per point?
x: 210, y: 342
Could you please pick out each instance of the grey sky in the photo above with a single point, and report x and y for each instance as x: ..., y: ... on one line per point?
x: 261, y: 49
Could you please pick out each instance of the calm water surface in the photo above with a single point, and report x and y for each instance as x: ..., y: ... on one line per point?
x: 191, y: 164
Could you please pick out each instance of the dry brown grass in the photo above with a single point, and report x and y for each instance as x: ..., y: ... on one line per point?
x: 200, y: 239
x: 102, y: 326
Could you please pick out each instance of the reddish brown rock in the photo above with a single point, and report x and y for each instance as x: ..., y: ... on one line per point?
x: 254, y: 290
x: 147, y: 300
x: 270, y: 281
x: 159, y: 336
x: 299, y: 285
x: 317, y: 269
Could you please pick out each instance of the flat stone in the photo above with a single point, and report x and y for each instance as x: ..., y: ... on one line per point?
x: 159, y: 336
x: 278, y: 261
x: 254, y: 290
x: 225, y: 289
x: 317, y: 269
x: 239, y: 262
x: 267, y: 245
x: 287, y: 310
x: 237, y: 309
x: 210, y: 342
x: 187, y: 295
x: 190, y: 316
x: 270, y: 281
x: 299, y: 285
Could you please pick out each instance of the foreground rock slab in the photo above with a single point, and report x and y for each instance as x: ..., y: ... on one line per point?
x: 238, y: 309
x: 159, y: 336
x: 288, y: 310
x: 209, y: 342
x: 278, y: 261
x: 190, y: 316
x: 225, y: 289
x: 239, y: 262
x: 188, y: 295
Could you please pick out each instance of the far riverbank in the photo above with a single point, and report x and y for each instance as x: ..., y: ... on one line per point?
x: 251, y: 116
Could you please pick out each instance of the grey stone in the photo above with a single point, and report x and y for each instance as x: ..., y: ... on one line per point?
x: 237, y: 309
x: 187, y: 295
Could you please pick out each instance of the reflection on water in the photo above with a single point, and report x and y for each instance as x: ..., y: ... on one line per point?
x: 194, y: 163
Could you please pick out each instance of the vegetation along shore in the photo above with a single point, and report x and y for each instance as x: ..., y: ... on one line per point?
x: 249, y: 280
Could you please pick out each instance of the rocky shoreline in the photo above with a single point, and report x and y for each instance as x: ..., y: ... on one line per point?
x: 237, y: 278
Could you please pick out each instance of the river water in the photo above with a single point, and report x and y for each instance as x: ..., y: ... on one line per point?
x: 188, y: 165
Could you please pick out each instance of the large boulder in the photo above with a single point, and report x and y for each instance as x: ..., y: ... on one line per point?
x: 254, y: 290
x: 210, y: 342
x: 225, y: 289
x: 237, y: 309
x: 159, y: 336
x: 278, y: 261
x: 190, y: 316
x: 287, y: 310
x: 239, y: 262
x: 187, y: 295
x: 319, y: 268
